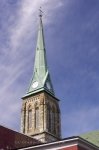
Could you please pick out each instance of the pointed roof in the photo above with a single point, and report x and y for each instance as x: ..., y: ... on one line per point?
x: 41, y: 78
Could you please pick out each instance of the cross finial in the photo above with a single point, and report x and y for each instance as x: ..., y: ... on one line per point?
x: 40, y: 12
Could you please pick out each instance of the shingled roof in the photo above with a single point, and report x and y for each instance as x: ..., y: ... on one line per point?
x: 92, y: 137
x: 10, y: 139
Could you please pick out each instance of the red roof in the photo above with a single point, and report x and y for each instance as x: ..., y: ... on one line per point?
x: 10, y: 139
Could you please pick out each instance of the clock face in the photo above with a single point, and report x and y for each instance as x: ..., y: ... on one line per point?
x: 48, y: 85
x: 35, y: 84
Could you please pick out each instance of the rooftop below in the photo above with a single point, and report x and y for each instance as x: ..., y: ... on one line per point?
x: 92, y: 137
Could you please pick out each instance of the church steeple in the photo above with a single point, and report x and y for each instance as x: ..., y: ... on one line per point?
x: 40, y: 115
x: 41, y: 78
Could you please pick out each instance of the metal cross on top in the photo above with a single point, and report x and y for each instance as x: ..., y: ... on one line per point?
x: 40, y: 12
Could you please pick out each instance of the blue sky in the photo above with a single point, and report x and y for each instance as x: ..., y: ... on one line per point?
x: 72, y: 43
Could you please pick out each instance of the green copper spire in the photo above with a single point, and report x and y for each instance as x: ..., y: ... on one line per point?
x: 41, y: 78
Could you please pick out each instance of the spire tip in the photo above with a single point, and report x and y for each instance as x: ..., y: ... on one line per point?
x: 40, y: 12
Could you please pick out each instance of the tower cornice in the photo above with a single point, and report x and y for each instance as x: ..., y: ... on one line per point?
x: 38, y: 92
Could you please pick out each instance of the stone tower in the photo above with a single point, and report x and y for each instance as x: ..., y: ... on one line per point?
x: 40, y: 114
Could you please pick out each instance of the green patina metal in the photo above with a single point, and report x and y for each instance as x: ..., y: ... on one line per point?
x: 41, y: 77
x: 92, y: 137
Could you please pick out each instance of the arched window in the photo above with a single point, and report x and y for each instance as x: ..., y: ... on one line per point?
x: 54, y: 119
x: 49, y: 118
x: 36, y: 117
x: 30, y: 118
x: 52, y: 115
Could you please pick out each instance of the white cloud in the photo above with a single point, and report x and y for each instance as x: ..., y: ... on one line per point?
x: 27, y: 18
